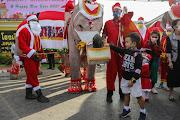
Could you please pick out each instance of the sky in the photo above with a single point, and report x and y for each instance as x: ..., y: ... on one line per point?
x: 148, y: 10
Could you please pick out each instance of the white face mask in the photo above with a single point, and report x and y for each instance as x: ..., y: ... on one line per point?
x: 35, y: 27
x: 154, y: 39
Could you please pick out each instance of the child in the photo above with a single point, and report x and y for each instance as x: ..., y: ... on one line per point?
x: 131, y: 69
x: 153, y: 48
x: 145, y: 77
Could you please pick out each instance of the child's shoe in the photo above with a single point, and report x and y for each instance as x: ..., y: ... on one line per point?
x: 125, y: 113
x: 160, y: 86
x: 142, y: 116
x: 153, y: 90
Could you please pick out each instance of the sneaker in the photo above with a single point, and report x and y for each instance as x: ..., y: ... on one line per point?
x: 160, y: 86
x: 125, y: 113
x: 153, y: 90
x: 142, y: 116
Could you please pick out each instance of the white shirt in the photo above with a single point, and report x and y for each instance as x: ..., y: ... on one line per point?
x: 12, y: 48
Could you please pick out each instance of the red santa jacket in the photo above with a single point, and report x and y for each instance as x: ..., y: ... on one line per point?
x: 28, y: 43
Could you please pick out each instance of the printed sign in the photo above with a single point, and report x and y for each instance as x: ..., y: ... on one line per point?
x: 22, y: 8
x: 7, y: 38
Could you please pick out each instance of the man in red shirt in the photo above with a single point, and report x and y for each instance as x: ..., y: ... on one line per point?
x: 29, y: 43
x: 112, y: 30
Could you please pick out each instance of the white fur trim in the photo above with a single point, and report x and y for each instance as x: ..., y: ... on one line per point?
x: 145, y: 57
x: 138, y: 71
x: 30, y: 53
x: 43, y: 60
x: 36, y: 88
x: 172, y: 15
x: 90, y: 17
x: 32, y: 36
x: 28, y: 86
x: 140, y: 21
x: 117, y: 8
x: 31, y: 17
x: 146, y: 90
x: 18, y: 60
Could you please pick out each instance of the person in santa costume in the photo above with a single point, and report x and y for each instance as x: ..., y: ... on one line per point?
x: 111, y: 30
x: 145, y: 77
x: 163, y: 58
x: 116, y: 30
x: 153, y: 48
x: 30, y: 45
x: 65, y: 66
x: 142, y: 29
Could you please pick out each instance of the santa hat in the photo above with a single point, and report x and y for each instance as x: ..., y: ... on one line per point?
x: 116, y: 6
x: 30, y: 17
x: 156, y: 29
x: 147, y: 56
x: 140, y: 20
x: 69, y: 6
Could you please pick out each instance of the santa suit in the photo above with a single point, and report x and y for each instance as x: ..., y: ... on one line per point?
x: 111, y: 29
x: 144, y: 33
x: 145, y: 78
x: 28, y: 44
x: 163, y: 61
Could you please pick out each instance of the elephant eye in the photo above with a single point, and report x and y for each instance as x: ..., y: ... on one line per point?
x: 80, y: 26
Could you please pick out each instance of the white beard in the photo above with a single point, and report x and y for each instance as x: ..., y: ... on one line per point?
x: 35, y: 27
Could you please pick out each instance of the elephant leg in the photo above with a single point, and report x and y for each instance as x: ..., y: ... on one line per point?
x: 90, y: 84
x: 84, y: 62
x: 75, y: 60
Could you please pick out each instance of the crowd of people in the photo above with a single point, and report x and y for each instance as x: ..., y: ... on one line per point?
x: 135, y: 58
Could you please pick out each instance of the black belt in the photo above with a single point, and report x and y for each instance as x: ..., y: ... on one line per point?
x: 144, y: 77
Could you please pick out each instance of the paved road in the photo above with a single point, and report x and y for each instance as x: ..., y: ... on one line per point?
x: 82, y: 106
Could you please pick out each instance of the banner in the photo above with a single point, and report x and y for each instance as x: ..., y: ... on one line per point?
x: 7, y: 38
x: 52, y: 29
x: 21, y: 8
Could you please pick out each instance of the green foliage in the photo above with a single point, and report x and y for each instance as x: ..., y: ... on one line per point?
x: 5, y: 59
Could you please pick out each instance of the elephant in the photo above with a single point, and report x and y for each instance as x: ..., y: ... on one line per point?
x: 84, y: 25
x: 172, y: 14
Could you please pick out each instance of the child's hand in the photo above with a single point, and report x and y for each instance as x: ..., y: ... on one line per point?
x: 130, y: 83
x: 105, y: 43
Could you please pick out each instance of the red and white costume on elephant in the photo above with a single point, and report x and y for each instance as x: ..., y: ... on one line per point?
x: 91, y: 11
x: 143, y: 30
x: 28, y: 44
x: 145, y: 77
x: 116, y: 32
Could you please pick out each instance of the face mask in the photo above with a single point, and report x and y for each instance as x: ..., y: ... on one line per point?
x: 154, y: 39
x: 168, y: 33
x: 117, y: 15
x: 35, y: 27
x: 140, y: 25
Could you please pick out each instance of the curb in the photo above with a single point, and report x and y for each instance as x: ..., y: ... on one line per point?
x: 4, y: 71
